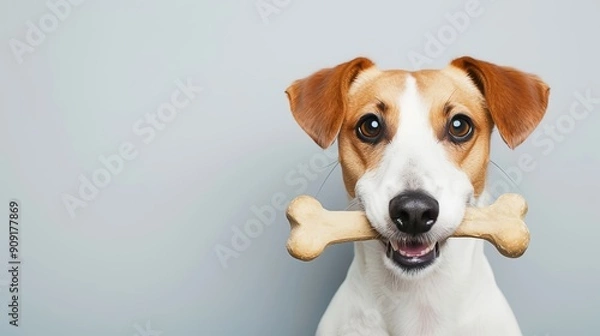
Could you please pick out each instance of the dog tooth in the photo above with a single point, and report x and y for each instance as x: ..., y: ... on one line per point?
x: 394, y: 245
x: 425, y: 251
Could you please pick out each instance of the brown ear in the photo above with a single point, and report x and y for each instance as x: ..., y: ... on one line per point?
x: 318, y: 102
x: 516, y: 100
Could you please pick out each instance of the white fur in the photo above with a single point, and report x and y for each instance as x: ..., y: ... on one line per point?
x: 457, y: 294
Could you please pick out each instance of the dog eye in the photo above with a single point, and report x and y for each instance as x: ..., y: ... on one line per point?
x: 460, y: 128
x: 369, y: 128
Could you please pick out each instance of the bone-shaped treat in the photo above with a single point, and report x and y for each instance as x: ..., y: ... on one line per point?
x: 314, y: 228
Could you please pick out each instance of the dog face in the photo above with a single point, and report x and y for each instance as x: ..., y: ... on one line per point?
x: 414, y: 146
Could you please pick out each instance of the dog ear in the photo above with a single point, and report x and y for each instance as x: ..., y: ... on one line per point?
x: 516, y: 100
x: 318, y: 102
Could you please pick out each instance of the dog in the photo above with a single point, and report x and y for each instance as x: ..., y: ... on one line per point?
x: 414, y: 147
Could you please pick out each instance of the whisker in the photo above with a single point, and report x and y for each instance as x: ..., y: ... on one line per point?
x: 331, y: 164
x: 506, y: 174
x: 352, y: 203
x: 335, y: 164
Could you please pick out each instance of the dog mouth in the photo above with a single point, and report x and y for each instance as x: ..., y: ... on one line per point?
x: 412, y: 254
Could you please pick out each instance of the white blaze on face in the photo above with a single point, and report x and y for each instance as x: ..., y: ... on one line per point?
x: 415, y: 160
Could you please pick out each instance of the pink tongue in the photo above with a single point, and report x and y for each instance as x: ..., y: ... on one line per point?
x: 413, y: 248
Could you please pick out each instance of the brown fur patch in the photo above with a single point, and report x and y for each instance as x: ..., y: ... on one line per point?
x: 450, y: 94
x: 318, y: 102
x: 357, y: 157
x: 517, y: 100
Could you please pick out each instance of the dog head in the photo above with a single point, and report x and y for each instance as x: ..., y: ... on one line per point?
x: 414, y: 146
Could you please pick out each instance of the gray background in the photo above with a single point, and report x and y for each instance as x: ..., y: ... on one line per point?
x: 140, y: 258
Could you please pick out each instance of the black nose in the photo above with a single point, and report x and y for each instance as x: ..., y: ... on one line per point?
x: 414, y: 212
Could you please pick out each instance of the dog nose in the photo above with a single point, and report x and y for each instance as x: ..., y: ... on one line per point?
x: 414, y: 212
